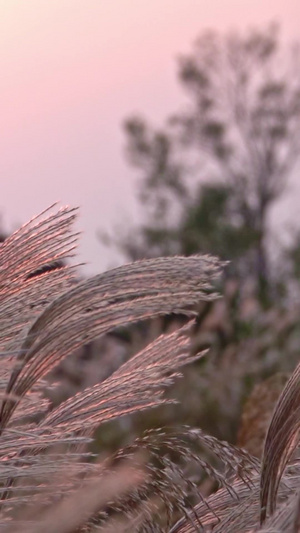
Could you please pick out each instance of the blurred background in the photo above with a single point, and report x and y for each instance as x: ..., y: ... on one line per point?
x: 73, y: 71
x: 174, y: 125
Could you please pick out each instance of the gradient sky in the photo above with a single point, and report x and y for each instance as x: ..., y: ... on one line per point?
x: 71, y: 71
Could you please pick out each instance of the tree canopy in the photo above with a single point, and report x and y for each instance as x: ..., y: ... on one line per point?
x: 209, y: 177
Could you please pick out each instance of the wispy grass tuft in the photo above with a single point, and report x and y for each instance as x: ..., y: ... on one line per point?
x: 49, y: 480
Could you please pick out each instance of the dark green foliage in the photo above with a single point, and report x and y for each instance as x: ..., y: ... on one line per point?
x: 212, y: 225
x: 209, y: 178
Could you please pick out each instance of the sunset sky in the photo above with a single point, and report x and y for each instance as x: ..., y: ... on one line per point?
x: 71, y: 71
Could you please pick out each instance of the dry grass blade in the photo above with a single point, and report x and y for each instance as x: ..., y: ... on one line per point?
x: 215, y: 509
x: 223, y: 512
x: 138, y: 384
x: 232, y: 463
x: 128, y: 294
x: 30, y: 438
x: 73, y: 511
x: 169, y: 490
x: 286, y: 518
x: 46, y: 462
x: 281, y: 441
x: 41, y: 242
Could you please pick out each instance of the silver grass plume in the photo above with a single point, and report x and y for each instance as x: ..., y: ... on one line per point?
x: 281, y: 441
x: 44, y: 240
x: 49, y: 481
x: 94, y: 307
x: 270, y: 503
x: 53, y: 316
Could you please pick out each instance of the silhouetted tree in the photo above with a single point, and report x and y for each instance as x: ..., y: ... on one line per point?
x: 208, y: 179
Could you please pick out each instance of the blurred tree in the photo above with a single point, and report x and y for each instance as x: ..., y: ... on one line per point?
x: 209, y: 178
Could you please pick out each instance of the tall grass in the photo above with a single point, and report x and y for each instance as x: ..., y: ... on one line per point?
x: 49, y: 479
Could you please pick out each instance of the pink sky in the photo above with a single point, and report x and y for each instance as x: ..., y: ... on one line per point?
x: 71, y: 71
